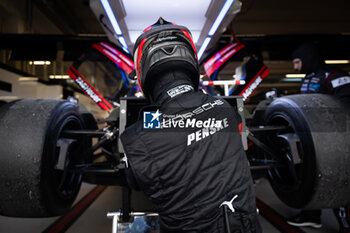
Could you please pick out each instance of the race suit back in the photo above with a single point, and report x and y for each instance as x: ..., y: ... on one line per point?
x: 192, y: 165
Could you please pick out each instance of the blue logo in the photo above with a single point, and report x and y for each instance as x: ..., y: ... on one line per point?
x: 152, y: 120
x: 314, y: 87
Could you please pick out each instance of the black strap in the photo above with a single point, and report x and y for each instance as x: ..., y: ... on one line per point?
x: 227, y: 223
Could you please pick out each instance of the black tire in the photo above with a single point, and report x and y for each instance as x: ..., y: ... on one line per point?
x: 321, y: 179
x: 31, y: 184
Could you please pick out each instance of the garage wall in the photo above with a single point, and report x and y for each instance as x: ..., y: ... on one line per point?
x: 12, y: 89
x: 25, y: 89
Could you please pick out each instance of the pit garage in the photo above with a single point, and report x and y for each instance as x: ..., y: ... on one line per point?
x: 67, y: 93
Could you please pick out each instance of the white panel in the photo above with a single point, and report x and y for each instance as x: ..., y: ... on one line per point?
x: 140, y: 14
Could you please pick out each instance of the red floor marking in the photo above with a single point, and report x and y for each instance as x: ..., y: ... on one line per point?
x: 62, y: 224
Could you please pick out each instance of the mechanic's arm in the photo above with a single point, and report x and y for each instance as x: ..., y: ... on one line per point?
x: 134, y: 152
x: 130, y: 177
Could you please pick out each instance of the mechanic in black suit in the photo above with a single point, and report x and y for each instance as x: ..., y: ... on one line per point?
x: 186, y: 155
x: 320, y: 78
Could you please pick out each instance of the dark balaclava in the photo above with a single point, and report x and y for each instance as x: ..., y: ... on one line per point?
x: 310, y: 57
x: 166, y: 81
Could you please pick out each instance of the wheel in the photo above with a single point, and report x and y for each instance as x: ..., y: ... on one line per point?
x: 314, y: 151
x: 36, y: 175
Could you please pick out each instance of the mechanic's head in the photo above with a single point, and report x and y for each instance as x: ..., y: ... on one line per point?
x: 164, y: 56
x: 306, y: 58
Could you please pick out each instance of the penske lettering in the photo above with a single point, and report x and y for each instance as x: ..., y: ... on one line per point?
x: 88, y: 90
x: 205, y: 132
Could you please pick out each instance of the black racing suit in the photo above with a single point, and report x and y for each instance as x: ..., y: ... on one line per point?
x: 189, y: 169
x: 327, y: 80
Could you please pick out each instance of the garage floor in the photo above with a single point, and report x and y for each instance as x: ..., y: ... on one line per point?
x: 89, y: 213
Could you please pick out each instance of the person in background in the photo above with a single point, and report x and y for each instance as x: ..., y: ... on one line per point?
x: 196, y: 174
x: 320, y: 78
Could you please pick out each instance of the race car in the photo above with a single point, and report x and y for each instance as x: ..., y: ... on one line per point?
x: 49, y: 147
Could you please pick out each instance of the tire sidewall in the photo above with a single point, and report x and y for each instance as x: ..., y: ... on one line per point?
x: 301, y: 192
x: 65, y: 115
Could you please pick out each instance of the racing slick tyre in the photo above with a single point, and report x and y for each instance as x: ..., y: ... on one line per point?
x: 314, y: 150
x: 36, y: 179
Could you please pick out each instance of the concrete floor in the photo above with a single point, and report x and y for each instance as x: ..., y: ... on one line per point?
x: 265, y: 193
x: 94, y: 219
